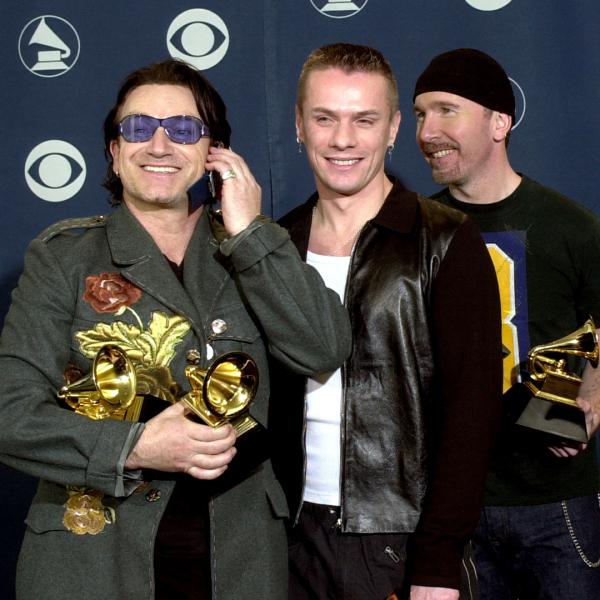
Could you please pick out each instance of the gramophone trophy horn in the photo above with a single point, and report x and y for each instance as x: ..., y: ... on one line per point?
x: 550, y: 379
x: 552, y: 389
x: 223, y: 393
x: 108, y: 391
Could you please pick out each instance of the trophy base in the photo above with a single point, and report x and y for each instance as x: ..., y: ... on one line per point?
x: 552, y: 418
x: 242, y: 423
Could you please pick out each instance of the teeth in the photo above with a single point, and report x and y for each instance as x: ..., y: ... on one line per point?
x: 441, y: 153
x: 159, y: 169
x: 344, y: 163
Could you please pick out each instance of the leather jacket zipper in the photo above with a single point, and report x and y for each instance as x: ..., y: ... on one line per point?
x: 341, y: 519
x: 303, y: 441
x: 392, y: 554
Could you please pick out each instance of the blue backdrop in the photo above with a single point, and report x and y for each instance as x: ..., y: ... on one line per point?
x: 62, y: 63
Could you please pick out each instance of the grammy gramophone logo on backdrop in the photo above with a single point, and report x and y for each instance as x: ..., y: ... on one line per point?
x: 339, y: 9
x: 48, y: 46
x: 488, y: 5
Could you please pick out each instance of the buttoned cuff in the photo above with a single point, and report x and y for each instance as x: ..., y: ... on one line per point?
x: 228, y: 246
x: 128, y: 479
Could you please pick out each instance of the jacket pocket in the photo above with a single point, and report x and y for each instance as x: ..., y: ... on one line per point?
x: 47, y: 510
x: 231, y: 326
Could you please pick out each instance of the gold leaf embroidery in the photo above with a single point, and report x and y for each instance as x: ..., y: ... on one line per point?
x: 168, y: 332
x: 119, y: 333
x: 151, y: 350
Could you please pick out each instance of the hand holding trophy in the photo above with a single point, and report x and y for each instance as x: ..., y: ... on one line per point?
x: 548, y: 401
x: 223, y: 392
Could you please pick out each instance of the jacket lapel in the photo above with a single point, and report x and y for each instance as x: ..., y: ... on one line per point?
x: 140, y: 261
x: 206, y: 270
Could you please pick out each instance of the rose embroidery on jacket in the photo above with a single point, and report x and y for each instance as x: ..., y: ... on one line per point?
x: 85, y: 512
x: 108, y: 292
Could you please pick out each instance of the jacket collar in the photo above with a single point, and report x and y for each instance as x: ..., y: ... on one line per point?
x: 141, y: 261
x: 398, y: 213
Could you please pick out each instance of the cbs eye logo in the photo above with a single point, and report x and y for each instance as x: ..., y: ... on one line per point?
x: 199, y: 37
x: 520, y: 102
x: 55, y: 170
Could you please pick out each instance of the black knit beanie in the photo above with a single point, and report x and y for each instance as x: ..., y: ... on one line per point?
x: 471, y: 74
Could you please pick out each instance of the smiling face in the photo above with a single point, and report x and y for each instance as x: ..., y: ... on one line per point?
x: 456, y: 136
x: 159, y: 171
x: 346, y: 124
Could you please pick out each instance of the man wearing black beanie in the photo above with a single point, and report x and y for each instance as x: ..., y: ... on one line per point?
x: 539, y: 534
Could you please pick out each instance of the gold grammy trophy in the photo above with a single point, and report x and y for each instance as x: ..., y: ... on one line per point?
x: 108, y: 391
x: 223, y: 392
x: 220, y: 394
x: 552, y: 407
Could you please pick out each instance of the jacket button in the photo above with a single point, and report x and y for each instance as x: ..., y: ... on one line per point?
x: 153, y: 495
x: 193, y: 356
x: 218, y: 326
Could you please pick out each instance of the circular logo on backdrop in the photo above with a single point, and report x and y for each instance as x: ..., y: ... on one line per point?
x: 488, y: 4
x: 339, y: 9
x: 48, y: 46
x: 199, y: 37
x: 520, y: 102
x: 55, y: 170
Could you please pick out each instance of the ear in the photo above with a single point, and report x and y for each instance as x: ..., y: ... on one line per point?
x: 115, y: 152
x: 299, y: 124
x: 394, y: 127
x: 501, y: 124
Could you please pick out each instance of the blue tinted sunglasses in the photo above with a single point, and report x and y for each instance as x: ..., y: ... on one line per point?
x: 181, y: 129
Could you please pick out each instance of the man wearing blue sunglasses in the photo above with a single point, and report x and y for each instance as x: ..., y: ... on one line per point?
x: 169, y: 508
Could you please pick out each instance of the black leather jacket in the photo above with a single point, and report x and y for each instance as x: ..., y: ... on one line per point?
x: 424, y: 371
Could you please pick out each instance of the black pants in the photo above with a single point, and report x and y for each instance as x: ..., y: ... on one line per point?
x: 182, y: 549
x: 326, y: 564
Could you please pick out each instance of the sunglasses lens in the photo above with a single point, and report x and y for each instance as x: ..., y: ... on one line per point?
x: 138, y: 128
x: 181, y: 129
x: 184, y: 129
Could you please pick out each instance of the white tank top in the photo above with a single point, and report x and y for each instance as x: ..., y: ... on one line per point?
x: 324, y: 405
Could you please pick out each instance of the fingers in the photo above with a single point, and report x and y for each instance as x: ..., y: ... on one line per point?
x: 205, y: 474
x: 209, y: 466
x: 171, y: 442
x: 206, y: 440
x: 567, y: 450
x: 224, y: 159
x: 215, y: 450
x: 240, y: 194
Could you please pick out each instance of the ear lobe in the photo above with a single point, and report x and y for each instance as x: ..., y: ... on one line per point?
x: 298, y: 123
x: 114, y: 151
x: 394, y: 127
x: 502, y: 126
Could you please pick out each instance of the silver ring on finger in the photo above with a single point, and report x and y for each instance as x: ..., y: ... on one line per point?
x: 229, y: 174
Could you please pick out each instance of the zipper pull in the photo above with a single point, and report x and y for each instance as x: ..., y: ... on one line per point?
x: 337, y: 526
x: 390, y: 552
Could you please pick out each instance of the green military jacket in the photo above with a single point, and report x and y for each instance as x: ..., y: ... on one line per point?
x: 99, y: 280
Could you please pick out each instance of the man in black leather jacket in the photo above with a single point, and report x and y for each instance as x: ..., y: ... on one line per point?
x: 383, y: 461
